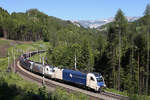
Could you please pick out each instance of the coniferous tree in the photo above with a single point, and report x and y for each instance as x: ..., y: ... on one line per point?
x: 147, y: 17
x: 147, y: 10
x: 121, y: 25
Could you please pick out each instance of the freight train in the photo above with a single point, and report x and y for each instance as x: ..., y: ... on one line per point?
x: 93, y: 81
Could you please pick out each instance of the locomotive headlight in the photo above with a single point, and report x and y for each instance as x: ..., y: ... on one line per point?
x: 104, y: 85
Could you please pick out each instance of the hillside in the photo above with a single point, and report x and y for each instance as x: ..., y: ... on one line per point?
x: 6, y: 44
x: 33, y: 25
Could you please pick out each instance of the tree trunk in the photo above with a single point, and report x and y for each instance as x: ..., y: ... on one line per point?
x: 147, y: 67
x: 114, y: 70
x: 143, y: 82
x: 139, y: 88
x: 119, y: 61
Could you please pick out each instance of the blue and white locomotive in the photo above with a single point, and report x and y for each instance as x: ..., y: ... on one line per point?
x: 94, y: 81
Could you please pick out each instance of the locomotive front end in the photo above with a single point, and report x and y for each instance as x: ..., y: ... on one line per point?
x: 100, y: 82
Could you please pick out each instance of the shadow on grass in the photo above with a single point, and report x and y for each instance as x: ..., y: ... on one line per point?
x: 12, y: 92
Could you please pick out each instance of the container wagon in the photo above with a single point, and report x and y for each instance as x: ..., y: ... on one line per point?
x: 37, y: 68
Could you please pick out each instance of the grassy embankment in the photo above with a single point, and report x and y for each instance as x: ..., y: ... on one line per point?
x: 15, y: 86
x: 17, y: 48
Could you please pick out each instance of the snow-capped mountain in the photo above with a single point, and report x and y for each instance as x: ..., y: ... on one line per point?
x: 98, y: 23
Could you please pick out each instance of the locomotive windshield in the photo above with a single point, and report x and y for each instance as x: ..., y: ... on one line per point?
x: 99, y: 79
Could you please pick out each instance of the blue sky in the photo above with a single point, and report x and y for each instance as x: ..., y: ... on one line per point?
x: 78, y: 9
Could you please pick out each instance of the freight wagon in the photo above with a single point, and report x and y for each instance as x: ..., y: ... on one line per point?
x: 37, y: 68
x: 25, y: 63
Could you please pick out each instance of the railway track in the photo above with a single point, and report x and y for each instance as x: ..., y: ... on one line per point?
x: 53, y: 84
x: 121, y: 97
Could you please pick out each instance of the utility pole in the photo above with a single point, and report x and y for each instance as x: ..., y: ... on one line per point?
x: 37, y: 52
x: 43, y: 72
x: 14, y: 63
x: 75, y: 64
x: 21, y: 51
x: 30, y: 53
x: 27, y: 53
x: 12, y: 59
x: 17, y: 52
x: 8, y: 61
x: 40, y: 58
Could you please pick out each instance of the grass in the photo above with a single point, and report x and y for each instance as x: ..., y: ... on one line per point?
x: 3, y: 64
x: 62, y: 94
x: 138, y: 97
x: 38, y: 58
x: 4, y: 45
x: 116, y: 91
x: 17, y: 49
x: 2, y: 42
x: 131, y: 96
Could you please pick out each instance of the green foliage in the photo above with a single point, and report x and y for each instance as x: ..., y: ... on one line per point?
x: 120, y: 19
x: 17, y: 93
x: 32, y: 25
x: 147, y: 10
x: 134, y: 47
x: 64, y: 55
x: 61, y: 94
x: 116, y: 91
x: 138, y: 97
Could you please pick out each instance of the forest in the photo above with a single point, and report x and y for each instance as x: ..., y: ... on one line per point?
x: 118, y: 50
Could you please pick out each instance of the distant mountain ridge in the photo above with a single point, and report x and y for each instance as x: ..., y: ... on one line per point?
x: 98, y: 23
